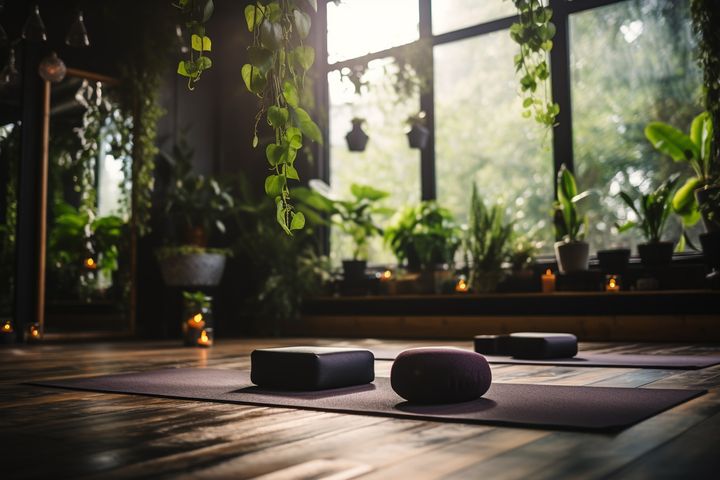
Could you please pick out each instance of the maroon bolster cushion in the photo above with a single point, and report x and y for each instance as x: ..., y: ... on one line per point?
x: 440, y: 375
x: 535, y: 345
x: 311, y: 368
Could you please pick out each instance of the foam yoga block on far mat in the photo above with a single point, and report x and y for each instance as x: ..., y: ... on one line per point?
x: 440, y: 375
x: 492, y: 344
x: 311, y: 368
x: 543, y: 345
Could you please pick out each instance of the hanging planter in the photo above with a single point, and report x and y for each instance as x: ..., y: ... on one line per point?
x: 356, y: 138
x: 419, y: 134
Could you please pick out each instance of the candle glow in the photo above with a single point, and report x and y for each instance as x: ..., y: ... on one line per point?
x: 461, y: 286
x: 90, y: 263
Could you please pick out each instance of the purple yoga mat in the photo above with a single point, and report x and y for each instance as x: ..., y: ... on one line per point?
x: 621, y: 360
x: 540, y: 406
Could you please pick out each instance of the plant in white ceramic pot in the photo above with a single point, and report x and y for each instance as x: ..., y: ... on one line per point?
x: 571, y: 251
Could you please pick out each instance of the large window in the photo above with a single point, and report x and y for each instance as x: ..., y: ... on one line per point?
x: 618, y: 65
x: 631, y: 62
x: 482, y: 138
x: 387, y: 162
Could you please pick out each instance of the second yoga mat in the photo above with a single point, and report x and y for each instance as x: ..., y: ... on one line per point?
x: 618, y: 360
x: 539, y: 406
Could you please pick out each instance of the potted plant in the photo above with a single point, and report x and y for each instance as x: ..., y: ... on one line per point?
x: 696, y: 149
x: 356, y: 138
x: 571, y: 252
x: 418, y: 135
x: 486, y: 243
x: 423, y: 236
x: 614, y: 260
x: 196, y: 207
x: 652, y: 214
x: 354, y: 217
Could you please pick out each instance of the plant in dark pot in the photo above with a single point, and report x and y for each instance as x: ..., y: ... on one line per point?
x: 614, y: 260
x: 354, y: 217
x: 571, y: 252
x: 698, y: 197
x: 423, y: 236
x: 356, y: 138
x: 419, y: 134
x: 651, y: 213
x: 487, y: 243
x: 196, y: 207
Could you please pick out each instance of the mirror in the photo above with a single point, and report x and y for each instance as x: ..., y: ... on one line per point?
x: 88, y: 274
x: 9, y: 156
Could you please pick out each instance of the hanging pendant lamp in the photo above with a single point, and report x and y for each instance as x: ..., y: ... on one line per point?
x: 77, y: 35
x: 34, y: 28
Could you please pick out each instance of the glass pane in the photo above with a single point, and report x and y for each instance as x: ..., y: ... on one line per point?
x: 387, y: 163
x: 631, y: 63
x: 449, y: 15
x: 481, y: 136
x: 358, y: 27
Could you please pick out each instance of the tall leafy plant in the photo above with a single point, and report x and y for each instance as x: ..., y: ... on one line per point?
x: 488, y: 238
x: 705, y: 19
x: 278, y: 64
x: 570, y: 226
x: 652, y: 210
x: 534, y: 33
x: 694, y: 149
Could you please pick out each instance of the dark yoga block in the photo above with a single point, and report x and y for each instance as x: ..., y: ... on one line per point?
x: 311, y: 368
x: 534, y: 345
x: 440, y: 375
x: 493, y: 344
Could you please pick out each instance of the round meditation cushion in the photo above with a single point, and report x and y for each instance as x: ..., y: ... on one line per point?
x: 440, y: 375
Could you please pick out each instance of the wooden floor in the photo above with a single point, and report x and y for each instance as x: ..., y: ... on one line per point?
x: 50, y: 433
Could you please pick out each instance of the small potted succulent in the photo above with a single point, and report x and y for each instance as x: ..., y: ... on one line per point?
x: 487, y: 243
x: 419, y: 134
x: 571, y: 252
x: 652, y: 212
x: 356, y: 138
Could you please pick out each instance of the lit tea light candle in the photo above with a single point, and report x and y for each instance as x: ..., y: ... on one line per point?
x: 386, y: 276
x: 462, y: 286
x: 7, y: 327
x: 90, y: 263
x: 196, y: 321
x: 33, y: 332
x: 204, y: 340
x: 548, y: 281
x: 613, y: 284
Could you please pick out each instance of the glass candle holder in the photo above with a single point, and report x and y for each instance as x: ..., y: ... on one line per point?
x: 197, y: 320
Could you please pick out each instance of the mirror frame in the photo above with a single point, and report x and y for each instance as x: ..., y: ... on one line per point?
x: 42, y: 214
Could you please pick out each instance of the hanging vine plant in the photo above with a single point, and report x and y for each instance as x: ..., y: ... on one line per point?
x: 279, y: 62
x: 534, y: 33
x: 195, y: 13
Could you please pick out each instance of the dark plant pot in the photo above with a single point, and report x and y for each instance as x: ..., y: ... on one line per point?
x: 418, y: 136
x: 708, y: 199
x: 354, y: 270
x: 572, y: 256
x: 656, y: 254
x: 357, y: 139
x: 614, y: 260
x: 486, y: 282
x: 711, y: 249
x: 193, y: 270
